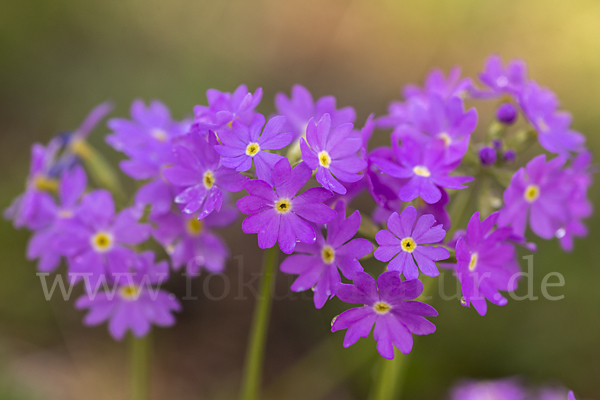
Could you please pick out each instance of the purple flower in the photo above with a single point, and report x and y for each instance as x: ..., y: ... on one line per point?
x: 333, y: 154
x: 224, y: 108
x: 280, y: 214
x: 202, y: 176
x: 436, y: 83
x: 191, y: 242
x: 502, y: 389
x: 133, y: 304
x: 43, y: 244
x: 91, y: 121
x: 538, y: 192
x: 486, y: 263
x: 571, y: 395
x: 385, y: 303
x: 423, y: 171
x: 96, y: 241
x: 318, y: 265
x: 403, y: 244
x: 506, y: 113
x: 488, y: 155
x: 27, y: 209
x: 500, y: 79
x: 300, y: 108
x: 540, y: 106
x: 246, y: 144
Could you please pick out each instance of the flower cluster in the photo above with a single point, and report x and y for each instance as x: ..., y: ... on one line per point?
x: 417, y: 178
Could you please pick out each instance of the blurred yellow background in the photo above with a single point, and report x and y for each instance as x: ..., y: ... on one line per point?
x: 60, y: 58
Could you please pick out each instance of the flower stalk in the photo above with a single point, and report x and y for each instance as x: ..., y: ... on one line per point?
x: 140, y: 367
x: 253, y: 367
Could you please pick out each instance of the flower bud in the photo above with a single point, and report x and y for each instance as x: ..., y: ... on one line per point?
x: 509, y: 155
x: 488, y: 156
x: 506, y: 113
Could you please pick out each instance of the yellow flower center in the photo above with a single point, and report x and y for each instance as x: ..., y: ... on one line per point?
x: 381, y: 308
x: 446, y: 138
x: 252, y: 149
x: 408, y: 244
x: 422, y: 171
x: 328, y: 254
x: 208, y: 179
x: 532, y: 192
x: 194, y: 227
x: 283, y: 206
x: 102, y: 242
x: 159, y: 134
x: 230, y: 124
x: 129, y: 292
x: 473, y: 262
x: 324, y: 159
x: 43, y: 183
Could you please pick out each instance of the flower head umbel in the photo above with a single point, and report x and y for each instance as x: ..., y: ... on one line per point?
x: 486, y: 263
x: 97, y: 240
x: 539, y: 192
x: 553, y: 127
x: 423, y: 170
x: 333, y: 154
x: 191, y: 242
x: 318, y: 263
x: 147, y: 139
x: 133, y: 304
x: 44, y: 244
x: 403, y: 244
x: 224, y: 108
x: 202, y: 176
x: 280, y: 215
x: 301, y: 108
x: 386, y: 306
x: 246, y: 144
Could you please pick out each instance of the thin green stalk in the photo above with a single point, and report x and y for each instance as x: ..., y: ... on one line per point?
x: 258, y: 334
x: 390, y: 377
x: 140, y: 367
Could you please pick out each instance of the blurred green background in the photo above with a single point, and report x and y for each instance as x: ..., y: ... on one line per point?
x: 60, y: 58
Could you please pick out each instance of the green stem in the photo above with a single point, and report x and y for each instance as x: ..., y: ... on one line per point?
x: 389, y: 378
x: 140, y: 367
x: 258, y: 334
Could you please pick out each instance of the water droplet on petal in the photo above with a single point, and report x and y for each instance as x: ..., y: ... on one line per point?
x: 560, y: 233
x: 463, y: 301
x: 333, y: 320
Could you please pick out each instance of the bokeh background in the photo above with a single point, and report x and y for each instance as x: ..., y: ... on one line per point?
x: 60, y: 58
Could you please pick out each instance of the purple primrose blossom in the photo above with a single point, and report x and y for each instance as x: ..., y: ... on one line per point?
x: 499, y: 79
x: 386, y: 306
x: 280, y: 215
x: 502, y: 389
x: 333, y: 154
x: 202, y: 176
x: 319, y: 264
x: 403, y: 244
x: 133, y: 304
x: 246, y: 144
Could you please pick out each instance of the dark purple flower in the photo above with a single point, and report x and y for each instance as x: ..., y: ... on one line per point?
x: 333, y: 154
x: 502, y: 389
x: 423, y: 170
x: 280, y: 215
x: 246, y: 144
x: 500, y: 79
x: 224, y: 108
x: 540, y: 106
x: 403, y: 244
x: 506, y: 113
x: 300, y: 108
x: 27, y: 209
x: 539, y: 192
x: 97, y: 242
x: 202, y: 176
x: 486, y: 263
x: 133, y: 304
x: 147, y: 139
x: 319, y: 262
x: 191, y: 242
x: 488, y: 155
x: 385, y: 303
x: 44, y: 244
